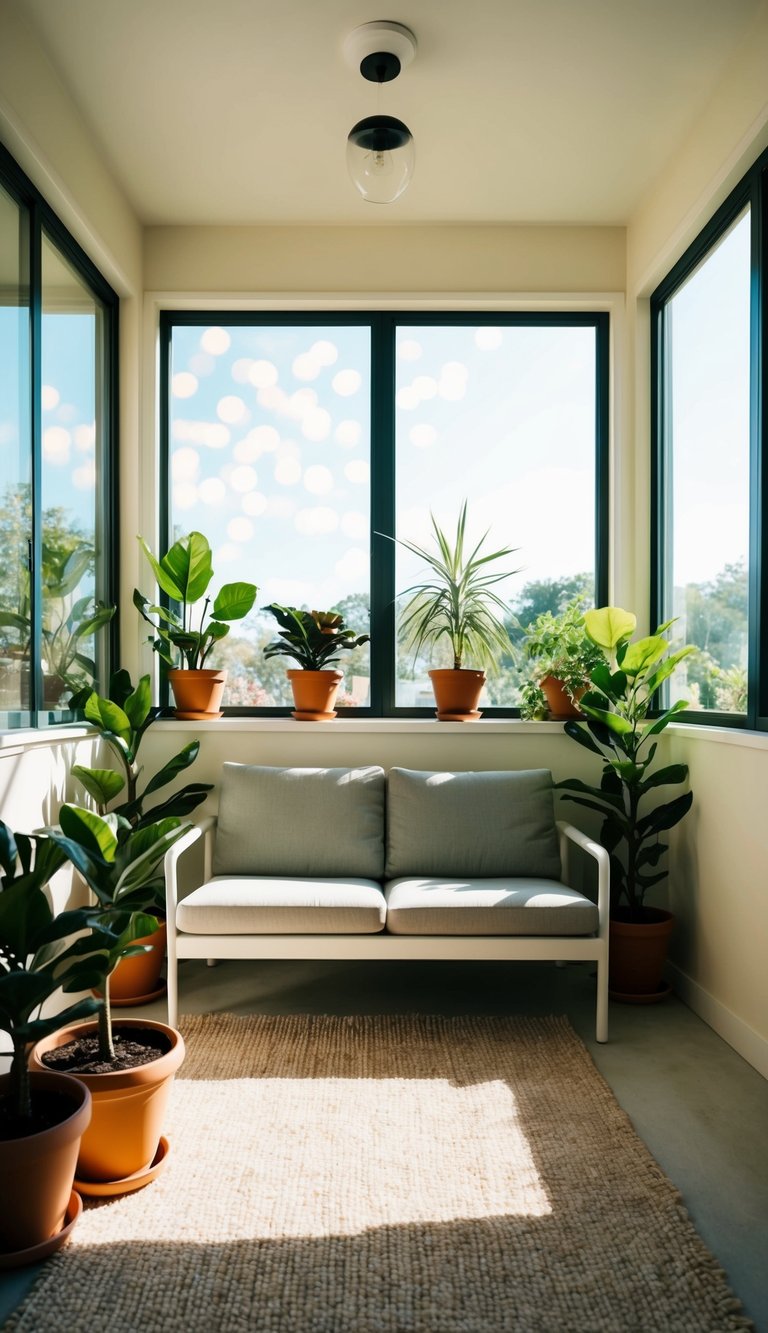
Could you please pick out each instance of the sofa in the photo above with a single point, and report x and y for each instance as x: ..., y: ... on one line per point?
x: 356, y: 863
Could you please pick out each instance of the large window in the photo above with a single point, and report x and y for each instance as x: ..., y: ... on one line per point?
x: 300, y: 444
x: 708, y: 318
x: 57, y: 442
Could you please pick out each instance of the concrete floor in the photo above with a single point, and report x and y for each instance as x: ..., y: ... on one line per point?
x: 700, y: 1108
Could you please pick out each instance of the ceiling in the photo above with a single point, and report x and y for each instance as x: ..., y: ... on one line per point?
x: 537, y: 111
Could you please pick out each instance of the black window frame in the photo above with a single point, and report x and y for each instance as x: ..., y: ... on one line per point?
x: 751, y: 192
x: 383, y: 325
x: 40, y: 220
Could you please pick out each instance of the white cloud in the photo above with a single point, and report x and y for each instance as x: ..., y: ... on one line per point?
x: 408, y: 349
x: 241, y: 370
x: 425, y: 386
x: 354, y: 524
x: 212, y: 491
x: 84, y: 478
x: 453, y: 381
x: 184, y: 495
x: 301, y: 402
x: 273, y: 398
x: 8, y: 432
x: 231, y: 409
x: 262, y: 374
x: 348, y: 433
x: 260, y: 440
x: 279, y: 506
x: 215, y: 341
x: 290, y: 592
x: 325, y: 353
x: 56, y: 445
x: 201, y: 364
x: 346, y: 382
x: 407, y: 399
x: 67, y: 412
x: 422, y: 436
x: 226, y: 554
x: 184, y: 384
x: 316, y: 425
x: 185, y: 464
x: 85, y: 438
x: 208, y: 433
x: 49, y: 397
x: 287, y: 471
x: 240, y: 529
x: 254, y: 503
x: 305, y: 367
x: 353, y: 565
x: 243, y: 478
x: 357, y: 471
x: 318, y: 480
x: 316, y: 521
x: 488, y: 338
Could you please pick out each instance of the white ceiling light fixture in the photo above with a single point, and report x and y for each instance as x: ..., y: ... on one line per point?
x: 380, y: 149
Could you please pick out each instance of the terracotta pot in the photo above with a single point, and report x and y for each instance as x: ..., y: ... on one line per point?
x: 314, y: 694
x: 136, y: 978
x: 558, y: 699
x: 37, y: 1171
x: 128, y: 1105
x: 457, y: 693
x: 197, y: 694
x: 637, y: 953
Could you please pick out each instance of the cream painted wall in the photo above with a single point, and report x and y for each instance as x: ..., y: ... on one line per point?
x: 298, y: 260
x: 718, y: 877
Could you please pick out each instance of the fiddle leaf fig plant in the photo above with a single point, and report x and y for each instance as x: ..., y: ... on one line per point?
x: 314, y: 639
x: 36, y: 956
x: 622, y: 731
x: 184, y: 573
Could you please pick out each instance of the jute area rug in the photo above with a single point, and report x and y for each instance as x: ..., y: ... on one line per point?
x: 389, y: 1175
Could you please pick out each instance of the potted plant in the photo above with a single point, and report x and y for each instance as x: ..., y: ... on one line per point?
x: 42, y: 1115
x: 184, y: 574
x: 65, y: 624
x: 127, y: 1065
x: 314, y: 639
x: 122, y: 718
x: 561, y: 657
x: 457, y: 604
x: 621, y: 733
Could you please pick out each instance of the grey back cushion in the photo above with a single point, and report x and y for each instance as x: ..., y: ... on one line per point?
x: 472, y: 824
x: 300, y: 821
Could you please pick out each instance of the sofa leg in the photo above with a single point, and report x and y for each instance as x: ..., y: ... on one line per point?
x: 211, y: 962
x: 172, y: 987
x: 601, y: 1022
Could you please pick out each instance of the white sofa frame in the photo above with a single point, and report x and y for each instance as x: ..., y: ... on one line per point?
x: 467, y: 948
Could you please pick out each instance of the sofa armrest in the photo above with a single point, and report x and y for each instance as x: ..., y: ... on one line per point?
x: 567, y: 833
x: 204, y: 829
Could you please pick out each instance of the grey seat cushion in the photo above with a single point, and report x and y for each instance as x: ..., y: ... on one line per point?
x: 243, y: 905
x: 453, y: 905
x: 300, y: 821
x: 471, y: 824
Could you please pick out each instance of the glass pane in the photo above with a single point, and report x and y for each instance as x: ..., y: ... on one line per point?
x: 72, y: 438
x: 15, y: 458
x: 503, y: 417
x: 707, y: 340
x: 270, y: 460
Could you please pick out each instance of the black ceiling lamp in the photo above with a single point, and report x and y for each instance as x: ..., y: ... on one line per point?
x: 380, y: 150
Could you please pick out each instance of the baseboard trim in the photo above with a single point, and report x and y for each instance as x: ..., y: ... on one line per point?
x: 749, y: 1044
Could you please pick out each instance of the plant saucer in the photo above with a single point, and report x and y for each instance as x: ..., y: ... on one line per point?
x: 197, y: 717
x: 473, y: 716
x: 652, y: 997
x: 33, y: 1255
x: 302, y: 716
x: 127, y: 1184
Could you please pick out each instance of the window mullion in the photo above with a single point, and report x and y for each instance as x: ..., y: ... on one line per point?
x: 382, y: 513
x: 36, y: 535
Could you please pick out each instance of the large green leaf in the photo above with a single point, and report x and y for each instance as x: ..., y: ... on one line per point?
x: 615, y: 723
x: 108, y: 717
x: 188, y: 565
x: 164, y: 578
x: 667, y: 667
x: 103, y: 784
x: 180, y: 804
x: 94, y: 834
x: 607, y: 626
x: 643, y: 653
x: 234, y: 601
x: 673, y: 773
x: 665, y: 816
x: 171, y: 770
x: 138, y: 704
x: 579, y: 733
x: 612, y: 799
x: 24, y: 914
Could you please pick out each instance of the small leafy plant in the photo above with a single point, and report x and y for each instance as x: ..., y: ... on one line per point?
x: 36, y: 957
x: 458, y: 602
x: 621, y: 733
x: 313, y: 639
x: 558, y: 645
x: 184, y: 573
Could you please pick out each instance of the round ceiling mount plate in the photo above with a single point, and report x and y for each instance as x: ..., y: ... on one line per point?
x: 382, y: 35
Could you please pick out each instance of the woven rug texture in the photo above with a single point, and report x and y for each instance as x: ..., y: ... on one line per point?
x: 394, y: 1174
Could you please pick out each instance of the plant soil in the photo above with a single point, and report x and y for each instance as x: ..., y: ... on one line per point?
x: 81, y: 1056
x: 48, y: 1110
